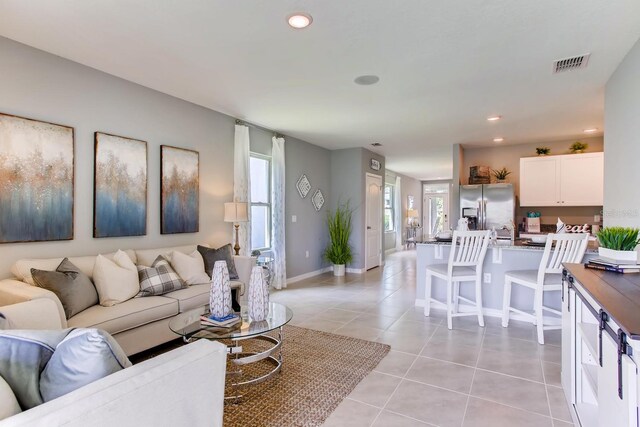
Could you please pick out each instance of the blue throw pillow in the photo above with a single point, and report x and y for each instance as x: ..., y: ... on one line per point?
x: 23, y: 356
x: 84, y: 356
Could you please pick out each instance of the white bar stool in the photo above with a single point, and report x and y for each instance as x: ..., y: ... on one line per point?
x: 468, y: 249
x: 548, y: 277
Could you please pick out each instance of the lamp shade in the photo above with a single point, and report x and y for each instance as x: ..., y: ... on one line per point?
x: 235, y: 212
x: 412, y: 213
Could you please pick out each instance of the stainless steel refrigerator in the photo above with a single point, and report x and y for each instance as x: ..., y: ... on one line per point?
x: 488, y: 205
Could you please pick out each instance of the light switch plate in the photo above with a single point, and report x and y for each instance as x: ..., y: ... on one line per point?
x: 294, y: 218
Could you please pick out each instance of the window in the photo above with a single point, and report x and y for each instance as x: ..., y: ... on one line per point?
x: 260, y: 175
x: 389, y: 208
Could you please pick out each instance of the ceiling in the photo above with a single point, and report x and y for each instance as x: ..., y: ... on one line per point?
x: 444, y: 66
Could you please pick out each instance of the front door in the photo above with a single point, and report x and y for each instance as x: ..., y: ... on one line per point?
x: 373, y: 232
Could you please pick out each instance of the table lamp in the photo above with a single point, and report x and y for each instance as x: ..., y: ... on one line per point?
x: 236, y: 212
x: 412, y: 214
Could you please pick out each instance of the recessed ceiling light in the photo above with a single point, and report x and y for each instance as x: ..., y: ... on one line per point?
x: 494, y: 118
x: 299, y: 20
x: 498, y: 139
x: 591, y: 130
x: 367, y: 80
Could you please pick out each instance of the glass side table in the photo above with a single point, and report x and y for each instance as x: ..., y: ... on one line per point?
x: 266, y: 262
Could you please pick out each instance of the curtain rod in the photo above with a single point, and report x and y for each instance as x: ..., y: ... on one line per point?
x: 243, y: 123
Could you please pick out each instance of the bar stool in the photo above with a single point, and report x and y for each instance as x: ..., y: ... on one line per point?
x: 548, y: 277
x: 468, y: 249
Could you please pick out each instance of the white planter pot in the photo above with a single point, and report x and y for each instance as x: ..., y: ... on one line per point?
x: 630, y: 256
x: 338, y: 269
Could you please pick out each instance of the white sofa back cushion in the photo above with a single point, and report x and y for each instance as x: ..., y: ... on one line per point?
x: 8, y: 403
x: 22, y: 268
x: 147, y: 256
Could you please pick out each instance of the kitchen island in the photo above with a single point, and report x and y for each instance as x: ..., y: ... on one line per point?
x: 501, y: 257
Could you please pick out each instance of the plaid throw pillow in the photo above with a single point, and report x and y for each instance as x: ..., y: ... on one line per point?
x: 158, y: 279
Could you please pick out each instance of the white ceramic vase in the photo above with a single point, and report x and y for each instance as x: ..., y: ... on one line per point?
x: 258, y: 295
x: 338, y: 269
x: 220, y: 293
x: 629, y: 257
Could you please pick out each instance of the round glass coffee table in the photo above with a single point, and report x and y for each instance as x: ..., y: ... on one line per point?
x: 188, y: 326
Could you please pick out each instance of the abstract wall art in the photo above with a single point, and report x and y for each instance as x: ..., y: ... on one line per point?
x: 120, y: 186
x: 179, y: 170
x: 36, y: 180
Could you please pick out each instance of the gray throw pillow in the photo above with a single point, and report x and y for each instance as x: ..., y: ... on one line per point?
x: 224, y: 253
x: 73, y: 288
x: 84, y: 356
x: 158, y: 279
x: 23, y: 356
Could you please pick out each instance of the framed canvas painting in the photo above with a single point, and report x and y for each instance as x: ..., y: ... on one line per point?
x: 180, y: 190
x: 120, y: 186
x: 36, y: 180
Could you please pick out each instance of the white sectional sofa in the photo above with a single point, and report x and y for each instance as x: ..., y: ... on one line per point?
x: 137, y: 324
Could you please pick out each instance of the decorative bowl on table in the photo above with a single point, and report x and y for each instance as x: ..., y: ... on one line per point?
x: 444, y: 235
x: 539, y: 239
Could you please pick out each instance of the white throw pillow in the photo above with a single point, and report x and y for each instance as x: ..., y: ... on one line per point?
x: 189, y: 267
x: 8, y: 403
x: 116, y: 281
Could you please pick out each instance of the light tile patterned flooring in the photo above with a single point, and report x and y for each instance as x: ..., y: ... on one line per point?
x: 470, y: 376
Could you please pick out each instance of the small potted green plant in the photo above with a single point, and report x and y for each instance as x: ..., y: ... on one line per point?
x: 578, y: 147
x: 619, y: 243
x: 339, y: 251
x: 543, y: 151
x: 501, y: 174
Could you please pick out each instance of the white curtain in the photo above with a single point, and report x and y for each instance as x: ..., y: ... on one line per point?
x: 242, y: 185
x: 397, y: 198
x: 278, y: 219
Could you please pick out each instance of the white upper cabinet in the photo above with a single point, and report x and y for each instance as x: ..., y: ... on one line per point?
x: 567, y: 180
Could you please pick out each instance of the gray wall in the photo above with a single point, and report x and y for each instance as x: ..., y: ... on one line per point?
x: 42, y: 86
x: 622, y: 150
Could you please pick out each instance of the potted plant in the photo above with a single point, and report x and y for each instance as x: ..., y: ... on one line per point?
x: 543, y: 151
x: 339, y: 251
x: 619, y: 243
x: 501, y: 174
x: 578, y: 147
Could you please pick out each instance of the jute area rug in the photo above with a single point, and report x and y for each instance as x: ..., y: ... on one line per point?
x: 319, y: 370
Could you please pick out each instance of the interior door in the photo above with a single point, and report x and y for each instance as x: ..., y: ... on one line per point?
x: 373, y: 232
x: 435, y: 208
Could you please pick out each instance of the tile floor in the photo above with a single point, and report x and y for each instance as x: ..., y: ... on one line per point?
x: 469, y: 376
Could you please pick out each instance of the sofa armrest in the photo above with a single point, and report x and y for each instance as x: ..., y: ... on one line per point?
x: 14, y: 291
x: 244, y: 264
x: 183, y: 387
x: 40, y: 313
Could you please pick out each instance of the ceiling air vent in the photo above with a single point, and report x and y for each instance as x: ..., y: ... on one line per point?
x: 376, y: 144
x: 573, y: 63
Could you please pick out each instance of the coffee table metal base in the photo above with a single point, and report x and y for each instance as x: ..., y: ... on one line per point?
x: 240, y: 358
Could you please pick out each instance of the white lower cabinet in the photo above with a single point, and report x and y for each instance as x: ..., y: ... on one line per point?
x: 591, y: 388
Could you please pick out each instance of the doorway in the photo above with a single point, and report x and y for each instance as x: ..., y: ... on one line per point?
x: 373, y: 232
x: 436, y: 213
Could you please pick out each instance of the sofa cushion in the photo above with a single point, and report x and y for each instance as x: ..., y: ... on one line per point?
x: 72, y: 287
x: 147, y: 256
x: 22, y: 268
x: 116, y: 281
x: 198, y: 295
x: 190, y: 267
x: 23, y: 356
x: 8, y: 403
x: 4, y: 322
x: 127, y: 315
x: 158, y: 279
x: 223, y: 253
x: 82, y: 357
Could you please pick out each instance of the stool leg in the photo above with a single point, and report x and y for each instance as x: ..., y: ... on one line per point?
x: 506, y: 302
x: 456, y: 296
x: 427, y: 294
x: 538, y: 312
x: 449, y: 304
x: 479, y: 300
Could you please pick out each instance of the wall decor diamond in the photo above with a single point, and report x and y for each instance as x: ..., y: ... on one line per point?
x: 317, y: 200
x: 303, y: 185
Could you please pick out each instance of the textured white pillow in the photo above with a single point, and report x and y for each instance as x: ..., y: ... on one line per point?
x: 190, y: 268
x: 8, y: 403
x: 116, y: 281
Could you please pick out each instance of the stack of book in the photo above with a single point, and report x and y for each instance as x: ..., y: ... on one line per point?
x: 606, y: 264
x: 221, y: 322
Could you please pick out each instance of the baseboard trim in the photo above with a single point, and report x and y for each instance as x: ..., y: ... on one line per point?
x: 390, y: 251
x: 308, y: 275
x: 493, y: 312
x: 354, y: 270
